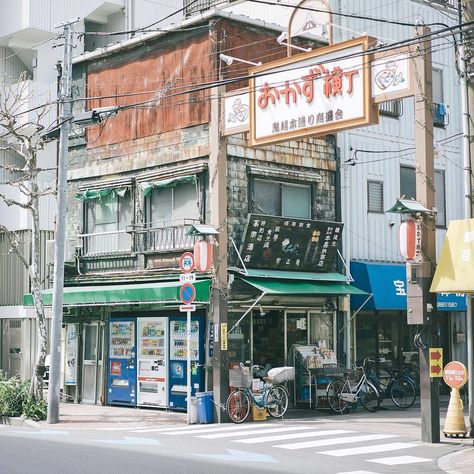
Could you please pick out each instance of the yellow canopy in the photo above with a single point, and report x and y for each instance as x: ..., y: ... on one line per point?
x: 455, y: 271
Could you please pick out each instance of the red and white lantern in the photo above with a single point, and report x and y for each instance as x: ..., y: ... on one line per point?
x: 202, y: 256
x: 410, y: 240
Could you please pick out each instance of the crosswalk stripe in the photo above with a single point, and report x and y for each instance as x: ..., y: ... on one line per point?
x: 338, y: 441
x: 307, y: 434
x: 368, y: 449
x: 212, y: 428
x: 399, y: 460
x: 251, y: 432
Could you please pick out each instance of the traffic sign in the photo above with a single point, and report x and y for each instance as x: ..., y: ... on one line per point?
x: 186, y: 262
x: 455, y: 374
x: 436, y: 362
x: 184, y: 308
x: 187, y: 278
x: 187, y: 293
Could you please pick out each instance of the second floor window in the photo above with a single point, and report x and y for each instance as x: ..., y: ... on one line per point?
x: 280, y: 199
x: 110, y: 213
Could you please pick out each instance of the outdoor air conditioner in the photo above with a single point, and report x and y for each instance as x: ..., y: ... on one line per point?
x: 69, y: 251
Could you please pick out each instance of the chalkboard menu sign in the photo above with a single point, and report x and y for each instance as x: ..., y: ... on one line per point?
x: 290, y: 244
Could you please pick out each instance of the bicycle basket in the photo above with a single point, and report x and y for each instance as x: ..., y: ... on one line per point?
x: 240, y: 378
x: 281, y: 374
x: 352, y: 375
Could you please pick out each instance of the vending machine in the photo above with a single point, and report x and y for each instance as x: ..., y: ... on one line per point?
x: 152, y: 340
x: 122, y: 373
x: 177, y: 381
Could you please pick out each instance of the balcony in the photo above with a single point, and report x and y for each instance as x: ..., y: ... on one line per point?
x: 165, y: 237
x: 107, y: 244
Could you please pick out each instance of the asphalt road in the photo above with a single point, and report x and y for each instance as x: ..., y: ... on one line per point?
x: 357, y: 444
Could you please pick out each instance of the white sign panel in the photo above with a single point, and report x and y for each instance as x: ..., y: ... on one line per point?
x: 71, y: 354
x: 390, y: 74
x: 236, y: 113
x: 312, y: 94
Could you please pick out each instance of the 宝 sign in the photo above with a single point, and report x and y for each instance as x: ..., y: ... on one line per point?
x: 290, y: 243
x: 325, y: 90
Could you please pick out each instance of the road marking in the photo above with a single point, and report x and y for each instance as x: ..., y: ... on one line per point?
x: 307, y: 434
x: 399, y: 460
x: 251, y: 432
x: 338, y: 441
x: 41, y: 432
x: 240, y: 456
x: 368, y: 449
x: 358, y: 472
x: 128, y: 440
x: 212, y: 429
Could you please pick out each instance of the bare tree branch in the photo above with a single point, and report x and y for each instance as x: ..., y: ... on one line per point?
x: 15, y: 242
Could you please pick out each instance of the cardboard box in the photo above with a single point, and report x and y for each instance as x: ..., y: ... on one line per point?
x: 259, y: 414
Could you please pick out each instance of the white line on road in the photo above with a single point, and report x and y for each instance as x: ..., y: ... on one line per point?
x: 338, y: 441
x: 358, y: 472
x: 252, y: 432
x: 399, y: 460
x: 307, y: 434
x: 212, y: 428
x: 369, y: 449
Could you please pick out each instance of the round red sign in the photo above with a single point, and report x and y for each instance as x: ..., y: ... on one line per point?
x: 186, y: 262
x: 455, y: 374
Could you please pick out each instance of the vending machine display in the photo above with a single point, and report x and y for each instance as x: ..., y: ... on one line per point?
x: 152, y: 362
x: 122, y: 367
x: 178, y: 365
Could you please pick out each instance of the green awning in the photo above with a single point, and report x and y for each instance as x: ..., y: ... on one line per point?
x: 148, y: 186
x: 290, y: 275
x: 104, y: 295
x: 92, y: 194
x: 277, y: 286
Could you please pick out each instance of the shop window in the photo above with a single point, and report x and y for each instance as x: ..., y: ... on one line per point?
x: 408, y: 189
x: 280, y: 199
x: 375, y: 196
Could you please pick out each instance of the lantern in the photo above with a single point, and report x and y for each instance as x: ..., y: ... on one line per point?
x: 202, y: 256
x: 410, y: 240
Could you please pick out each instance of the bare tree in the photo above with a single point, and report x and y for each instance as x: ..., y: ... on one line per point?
x: 20, y: 139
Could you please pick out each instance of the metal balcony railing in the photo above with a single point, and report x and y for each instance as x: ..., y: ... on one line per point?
x: 103, y: 244
x: 165, y: 237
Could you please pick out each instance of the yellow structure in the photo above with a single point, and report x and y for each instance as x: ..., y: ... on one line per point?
x: 454, y: 424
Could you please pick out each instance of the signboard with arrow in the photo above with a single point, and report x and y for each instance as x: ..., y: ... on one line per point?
x: 436, y: 362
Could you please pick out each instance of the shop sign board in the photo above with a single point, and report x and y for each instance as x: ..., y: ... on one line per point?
x: 392, y: 76
x: 72, y: 340
x: 312, y: 94
x: 455, y: 374
x: 281, y: 243
x: 410, y: 240
x: 436, y: 361
x: 223, y: 336
x: 236, y: 112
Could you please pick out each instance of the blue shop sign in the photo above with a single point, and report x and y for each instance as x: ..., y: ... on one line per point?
x: 387, y: 283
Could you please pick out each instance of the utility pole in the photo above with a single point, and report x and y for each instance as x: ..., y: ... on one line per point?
x: 419, y: 275
x: 60, y: 235
x: 218, y: 193
x: 466, y: 13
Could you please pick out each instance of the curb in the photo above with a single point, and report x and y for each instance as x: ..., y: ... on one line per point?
x: 444, y: 463
x: 18, y: 421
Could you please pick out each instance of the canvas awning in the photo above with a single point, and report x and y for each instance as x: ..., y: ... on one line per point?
x: 292, y: 275
x: 105, y: 295
x: 92, y: 194
x: 278, y: 286
x: 147, y: 186
x: 455, y: 270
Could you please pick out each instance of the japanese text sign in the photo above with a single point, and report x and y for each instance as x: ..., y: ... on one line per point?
x: 290, y: 244
x: 455, y: 374
x: 315, y: 93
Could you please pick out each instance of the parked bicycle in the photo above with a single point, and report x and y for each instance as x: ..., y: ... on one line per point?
x: 400, y: 388
x: 273, y: 397
x: 344, y: 391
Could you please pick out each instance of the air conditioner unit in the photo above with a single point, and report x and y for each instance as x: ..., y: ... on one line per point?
x: 69, y: 251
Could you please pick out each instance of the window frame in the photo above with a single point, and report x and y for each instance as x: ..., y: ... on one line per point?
x: 369, y: 210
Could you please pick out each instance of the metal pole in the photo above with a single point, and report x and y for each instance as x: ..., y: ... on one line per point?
x: 465, y: 92
x: 60, y: 237
x: 188, y: 362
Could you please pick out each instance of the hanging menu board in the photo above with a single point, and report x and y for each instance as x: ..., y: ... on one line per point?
x: 290, y: 244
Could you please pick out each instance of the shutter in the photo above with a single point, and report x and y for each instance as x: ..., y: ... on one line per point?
x: 375, y: 196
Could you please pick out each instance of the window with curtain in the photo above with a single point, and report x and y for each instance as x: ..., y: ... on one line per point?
x: 280, y: 199
x: 408, y: 189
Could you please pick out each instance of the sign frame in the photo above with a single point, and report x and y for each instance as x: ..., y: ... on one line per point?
x: 370, y: 111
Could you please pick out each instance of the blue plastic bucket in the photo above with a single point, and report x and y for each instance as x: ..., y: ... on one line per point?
x: 205, y: 407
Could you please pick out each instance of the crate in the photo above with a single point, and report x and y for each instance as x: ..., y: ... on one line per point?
x: 259, y: 414
x: 240, y: 378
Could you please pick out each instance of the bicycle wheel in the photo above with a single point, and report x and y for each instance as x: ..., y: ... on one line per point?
x: 334, y: 390
x: 276, y: 401
x: 369, y: 397
x: 238, y: 406
x: 403, y: 392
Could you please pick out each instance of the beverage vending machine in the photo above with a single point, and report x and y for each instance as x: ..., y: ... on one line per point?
x: 122, y: 374
x: 177, y: 356
x: 152, y: 341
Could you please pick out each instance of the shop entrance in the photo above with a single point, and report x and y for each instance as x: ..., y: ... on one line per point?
x: 92, y: 365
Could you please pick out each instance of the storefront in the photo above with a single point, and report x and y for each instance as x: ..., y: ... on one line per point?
x: 126, y: 344
x: 381, y: 328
